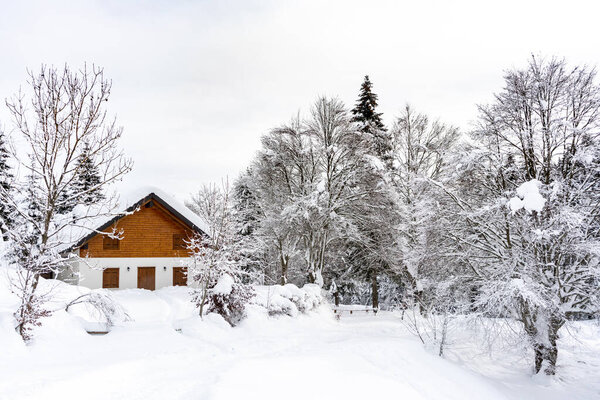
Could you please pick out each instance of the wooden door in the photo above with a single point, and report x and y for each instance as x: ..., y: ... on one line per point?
x: 179, y: 276
x: 110, y: 278
x: 146, y: 278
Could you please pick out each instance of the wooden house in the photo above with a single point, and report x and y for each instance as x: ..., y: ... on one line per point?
x: 151, y: 252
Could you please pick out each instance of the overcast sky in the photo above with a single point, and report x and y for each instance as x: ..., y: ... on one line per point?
x: 196, y: 83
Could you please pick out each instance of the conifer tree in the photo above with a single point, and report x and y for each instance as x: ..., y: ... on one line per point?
x: 87, y: 179
x: 32, y: 200
x: 5, y: 186
x: 85, y: 182
x: 365, y: 113
x: 379, y: 141
x: 246, y: 218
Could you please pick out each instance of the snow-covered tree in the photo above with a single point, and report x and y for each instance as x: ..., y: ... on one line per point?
x: 527, y: 202
x: 6, y: 179
x: 63, y: 111
x: 86, y: 187
x: 371, y: 123
x: 216, y: 264
x: 376, y: 217
x: 310, y: 181
x: 422, y: 149
x: 247, y: 217
x: 285, y: 173
x: 325, y: 204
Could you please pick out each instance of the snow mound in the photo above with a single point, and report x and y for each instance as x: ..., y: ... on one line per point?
x: 288, y: 299
x: 529, y: 197
x: 224, y: 285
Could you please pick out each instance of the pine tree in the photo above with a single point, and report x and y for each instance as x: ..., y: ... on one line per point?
x: 85, y: 183
x: 87, y: 179
x: 6, y: 186
x: 371, y: 123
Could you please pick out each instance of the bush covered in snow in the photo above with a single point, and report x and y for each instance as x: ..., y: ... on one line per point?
x: 288, y: 299
x: 228, y: 298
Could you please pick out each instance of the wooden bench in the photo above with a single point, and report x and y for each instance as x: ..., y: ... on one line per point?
x: 338, y: 311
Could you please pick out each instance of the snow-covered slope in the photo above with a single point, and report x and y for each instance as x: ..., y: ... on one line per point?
x: 168, y: 352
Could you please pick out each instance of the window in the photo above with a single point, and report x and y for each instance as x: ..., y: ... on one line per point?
x: 110, y: 278
x: 179, y: 276
x: 179, y: 241
x: 110, y: 243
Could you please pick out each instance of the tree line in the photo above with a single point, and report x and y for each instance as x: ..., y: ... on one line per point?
x: 502, y: 221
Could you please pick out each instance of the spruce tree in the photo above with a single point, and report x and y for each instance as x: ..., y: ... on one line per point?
x: 6, y: 178
x: 246, y: 216
x: 369, y: 261
x: 32, y: 200
x: 371, y: 123
x: 87, y: 179
x: 26, y: 225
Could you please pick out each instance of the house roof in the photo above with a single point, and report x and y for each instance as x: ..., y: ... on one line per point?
x: 128, y: 204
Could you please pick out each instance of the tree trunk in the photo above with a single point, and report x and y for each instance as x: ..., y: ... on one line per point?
x: 374, y: 290
x: 548, y: 351
x: 284, y: 268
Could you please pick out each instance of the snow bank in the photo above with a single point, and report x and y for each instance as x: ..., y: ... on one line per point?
x: 529, y: 197
x: 170, y: 306
x: 262, y: 358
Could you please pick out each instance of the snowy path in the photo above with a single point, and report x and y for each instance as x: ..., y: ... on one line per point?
x: 309, y: 357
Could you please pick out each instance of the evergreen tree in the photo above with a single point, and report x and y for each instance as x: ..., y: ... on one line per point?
x: 65, y: 202
x: 26, y: 225
x: 32, y: 200
x: 6, y: 178
x: 87, y: 179
x: 84, y: 182
x: 365, y: 114
x: 366, y: 254
x: 246, y: 217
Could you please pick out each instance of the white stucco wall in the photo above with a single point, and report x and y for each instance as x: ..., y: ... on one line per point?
x: 88, y: 272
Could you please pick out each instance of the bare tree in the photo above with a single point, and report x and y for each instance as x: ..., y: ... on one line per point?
x: 61, y: 113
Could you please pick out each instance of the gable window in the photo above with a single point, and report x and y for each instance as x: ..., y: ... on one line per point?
x: 179, y: 241
x: 109, y: 243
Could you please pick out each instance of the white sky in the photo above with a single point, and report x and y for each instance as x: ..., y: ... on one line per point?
x: 196, y: 83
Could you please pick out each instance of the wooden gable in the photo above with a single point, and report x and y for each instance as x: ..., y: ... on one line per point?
x: 151, y: 231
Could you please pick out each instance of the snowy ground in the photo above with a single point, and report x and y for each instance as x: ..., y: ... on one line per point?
x: 311, y: 356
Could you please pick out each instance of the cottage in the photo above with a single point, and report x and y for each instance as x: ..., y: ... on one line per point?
x: 150, y: 254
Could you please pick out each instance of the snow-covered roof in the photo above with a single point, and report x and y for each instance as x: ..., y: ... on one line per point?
x: 127, y: 203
